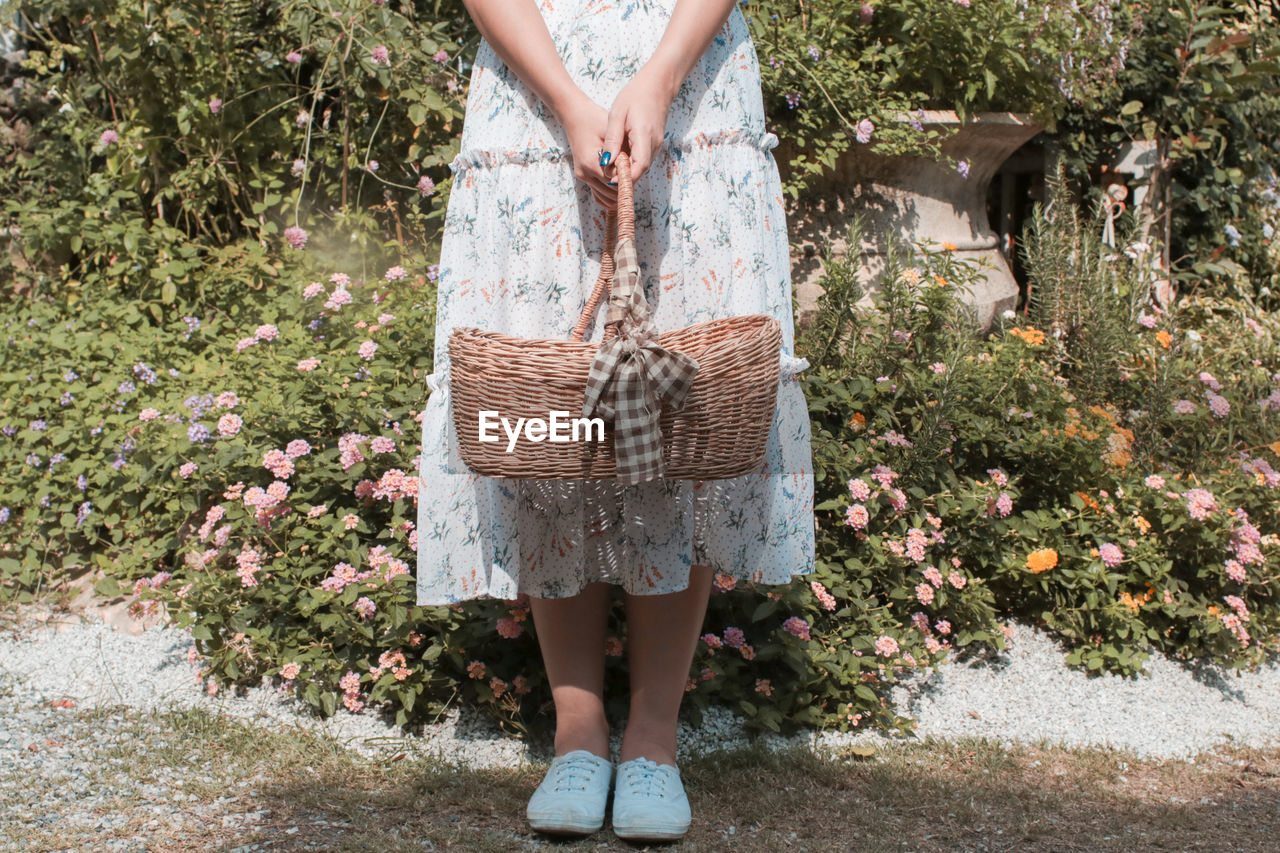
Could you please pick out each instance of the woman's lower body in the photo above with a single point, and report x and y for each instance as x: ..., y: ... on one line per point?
x: 520, y: 254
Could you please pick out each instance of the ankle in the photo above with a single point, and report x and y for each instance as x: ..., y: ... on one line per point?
x: 659, y: 747
x: 593, y: 738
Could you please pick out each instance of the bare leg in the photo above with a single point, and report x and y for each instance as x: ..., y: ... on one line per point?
x: 662, y: 633
x: 571, y: 635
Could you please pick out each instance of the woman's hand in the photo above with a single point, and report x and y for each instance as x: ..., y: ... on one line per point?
x: 638, y: 117
x: 584, y: 123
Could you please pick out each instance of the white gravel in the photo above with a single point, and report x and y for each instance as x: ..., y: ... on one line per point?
x: 1024, y: 695
x: 1028, y: 694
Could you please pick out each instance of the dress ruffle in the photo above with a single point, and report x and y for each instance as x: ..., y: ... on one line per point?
x: 473, y: 157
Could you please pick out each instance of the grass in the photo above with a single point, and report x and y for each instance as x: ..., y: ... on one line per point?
x: 232, y: 783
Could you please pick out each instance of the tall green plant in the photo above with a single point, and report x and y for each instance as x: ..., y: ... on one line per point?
x: 169, y: 136
x: 839, y: 74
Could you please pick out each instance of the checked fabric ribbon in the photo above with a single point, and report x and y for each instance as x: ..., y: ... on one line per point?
x: 632, y: 377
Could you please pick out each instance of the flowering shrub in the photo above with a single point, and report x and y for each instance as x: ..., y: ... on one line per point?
x: 255, y: 476
x: 839, y: 74
x: 247, y: 462
x: 176, y: 152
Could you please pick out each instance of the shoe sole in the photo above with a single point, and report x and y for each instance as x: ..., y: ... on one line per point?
x: 642, y: 831
x: 553, y: 823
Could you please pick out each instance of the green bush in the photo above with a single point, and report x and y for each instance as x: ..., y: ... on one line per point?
x: 175, y: 144
x: 167, y: 428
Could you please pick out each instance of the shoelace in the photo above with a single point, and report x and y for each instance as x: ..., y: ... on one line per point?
x: 646, y: 780
x: 578, y: 767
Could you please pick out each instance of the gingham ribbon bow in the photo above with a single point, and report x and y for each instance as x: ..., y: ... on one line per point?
x: 632, y: 377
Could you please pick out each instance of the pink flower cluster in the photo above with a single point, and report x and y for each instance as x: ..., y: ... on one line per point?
x: 393, y: 660
x: 350, y: 684
x: 349, y: 449
x: 1200, y: 503
x: 797, y: 627
x: 392, y: 485
x: 229, y: 424
x: 344, y: 574
x: 391, y: 566
x: 1218, y: 404
x: 1235, y: 620
x: 1261, y: 470
x: 916, y: 543
x: 886, y: 646
x: 884, y: 475
x: 827, y: 600
x: 896, y: 438
x: 247, y: 566
x: 724, y: 582
x: 212, y: 517
x: 340, y: 296
x: 1111, y: 554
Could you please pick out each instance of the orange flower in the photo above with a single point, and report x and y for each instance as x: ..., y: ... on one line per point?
x: 949, y: 246
x: 1213, y: 610
x: 1130, y: 602
x: 1141, y: 523
x: 858, y: 421
x: 1163, y: 337
x: 1042, y: 559
x: 941, y: 281
x: 1031, y: 336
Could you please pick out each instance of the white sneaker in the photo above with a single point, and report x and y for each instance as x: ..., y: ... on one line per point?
x: 649, y: 801
x: 571, y: 797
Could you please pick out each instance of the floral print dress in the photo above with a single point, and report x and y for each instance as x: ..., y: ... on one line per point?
x: 520, y: 254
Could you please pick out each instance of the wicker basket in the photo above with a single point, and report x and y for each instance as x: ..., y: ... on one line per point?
x: 719, y: 433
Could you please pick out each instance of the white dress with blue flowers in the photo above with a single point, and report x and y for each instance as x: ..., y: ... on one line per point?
x: 520, y: 254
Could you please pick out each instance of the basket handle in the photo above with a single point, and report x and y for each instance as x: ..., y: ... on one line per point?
x: 619, y: 224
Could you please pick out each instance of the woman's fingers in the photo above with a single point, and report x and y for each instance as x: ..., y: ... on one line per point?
x: 613, y: 136
x: 604, y: 194
x: 641, y: 153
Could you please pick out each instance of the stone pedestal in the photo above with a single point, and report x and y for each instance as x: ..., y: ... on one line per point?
x: 914, y: 199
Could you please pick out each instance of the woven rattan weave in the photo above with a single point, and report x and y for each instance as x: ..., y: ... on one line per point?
x: 719, y: 433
